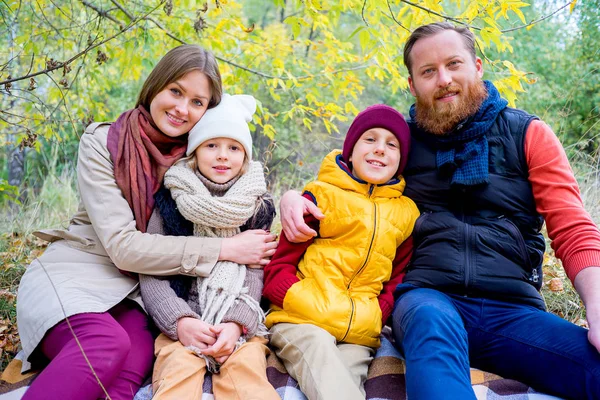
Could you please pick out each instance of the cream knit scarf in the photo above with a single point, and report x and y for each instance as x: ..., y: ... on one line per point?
x: 215, y: 216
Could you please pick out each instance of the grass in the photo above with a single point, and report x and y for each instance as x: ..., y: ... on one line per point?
x: 52, y: 207
x: 57, y: 201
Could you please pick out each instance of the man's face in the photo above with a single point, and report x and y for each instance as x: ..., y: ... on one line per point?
x: 446, y: 81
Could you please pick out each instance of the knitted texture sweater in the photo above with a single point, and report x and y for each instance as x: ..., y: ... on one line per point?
x: 168, y: 299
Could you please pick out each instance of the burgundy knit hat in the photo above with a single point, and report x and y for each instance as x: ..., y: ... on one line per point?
x: 379, y: 116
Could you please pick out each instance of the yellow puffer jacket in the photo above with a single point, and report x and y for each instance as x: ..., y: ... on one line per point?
x: 342, y: 273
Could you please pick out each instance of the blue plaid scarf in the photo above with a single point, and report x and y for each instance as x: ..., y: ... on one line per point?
x: 464, y: 152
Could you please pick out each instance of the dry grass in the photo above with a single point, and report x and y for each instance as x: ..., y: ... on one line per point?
x: 52, y: 207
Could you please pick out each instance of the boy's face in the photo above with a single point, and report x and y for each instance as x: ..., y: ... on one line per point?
x: 376, y: 156
x: 220, y: 159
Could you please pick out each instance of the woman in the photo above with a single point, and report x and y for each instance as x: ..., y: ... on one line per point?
x: 85, y: 274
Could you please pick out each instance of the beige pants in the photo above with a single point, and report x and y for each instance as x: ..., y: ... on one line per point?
x: 179, y: 373
x: 324, y: 369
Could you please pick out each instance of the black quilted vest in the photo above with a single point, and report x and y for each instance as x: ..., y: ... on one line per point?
x: 482, y: 241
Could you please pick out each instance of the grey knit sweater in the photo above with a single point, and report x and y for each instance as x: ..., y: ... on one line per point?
x: 166, y: 308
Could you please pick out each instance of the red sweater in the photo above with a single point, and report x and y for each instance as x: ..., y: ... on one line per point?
x: 280, y: 274
x: 575, y: 237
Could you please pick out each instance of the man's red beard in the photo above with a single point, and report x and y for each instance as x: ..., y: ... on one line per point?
x: 440, y: 118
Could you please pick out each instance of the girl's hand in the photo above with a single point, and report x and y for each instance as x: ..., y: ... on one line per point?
x: 292, y: 209
x: 228, y: 334
x: 195, y: 332
x: 253, y: 247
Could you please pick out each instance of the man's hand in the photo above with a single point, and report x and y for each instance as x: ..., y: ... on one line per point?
x: 587, y: 284
x: 253, y: 247
x: 228, y: 334
x: 292, y: 209
x: 195, y: 332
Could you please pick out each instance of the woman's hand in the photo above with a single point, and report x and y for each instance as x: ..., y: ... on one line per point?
x: 253, y: 248
x: 195, y: 332
x: 227, y: 336
x: 292, y: 209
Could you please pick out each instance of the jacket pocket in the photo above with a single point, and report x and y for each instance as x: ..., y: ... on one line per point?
x: 516, y: 233
x: 417, y: 231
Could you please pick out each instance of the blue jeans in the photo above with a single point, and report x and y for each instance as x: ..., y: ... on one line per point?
x: 442, y: 335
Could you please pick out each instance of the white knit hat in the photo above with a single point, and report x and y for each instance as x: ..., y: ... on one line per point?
x: 229, y: 120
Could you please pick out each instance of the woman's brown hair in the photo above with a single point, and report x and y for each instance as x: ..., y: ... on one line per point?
x: 175, y: 64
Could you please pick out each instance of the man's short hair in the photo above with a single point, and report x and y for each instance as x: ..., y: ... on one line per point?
x: 433, y: 29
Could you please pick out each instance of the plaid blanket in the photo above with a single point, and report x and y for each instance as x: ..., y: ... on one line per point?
x: 384, y: 382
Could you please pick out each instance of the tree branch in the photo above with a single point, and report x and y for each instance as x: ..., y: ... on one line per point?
x: 539, y: 19
x: 48, y: 21
x: 102, y: 13
x: 84, y: 51
x: 394, y: 17
x: 447, y: 17
x: 123, y: 10
x: 362, y: 12
x: 63, y: 100
x: 233, y: 64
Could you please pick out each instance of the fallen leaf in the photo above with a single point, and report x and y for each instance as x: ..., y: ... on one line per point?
x: 583, y: 323
x: 556, y: 285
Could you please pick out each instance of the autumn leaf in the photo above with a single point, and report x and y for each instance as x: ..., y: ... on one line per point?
x: 556, y: 285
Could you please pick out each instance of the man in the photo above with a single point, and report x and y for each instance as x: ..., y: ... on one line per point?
x: 484, y: 177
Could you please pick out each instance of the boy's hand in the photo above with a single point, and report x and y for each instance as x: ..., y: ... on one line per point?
x: 228, y: 334
x: 292, y: 208
x: 195, y: 332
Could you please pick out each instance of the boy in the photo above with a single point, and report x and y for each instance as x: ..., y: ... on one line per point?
x: 331, y: 295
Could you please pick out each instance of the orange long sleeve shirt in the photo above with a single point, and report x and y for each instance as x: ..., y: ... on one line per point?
x: 575, y: 237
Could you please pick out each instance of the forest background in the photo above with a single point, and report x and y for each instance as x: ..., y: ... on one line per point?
x: 311, y: 64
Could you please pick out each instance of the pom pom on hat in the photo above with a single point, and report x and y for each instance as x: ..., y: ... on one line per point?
x: 379, y: 116
x: 229, y: 119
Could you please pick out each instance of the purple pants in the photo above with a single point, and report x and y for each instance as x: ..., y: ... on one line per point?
x: 117, y: 344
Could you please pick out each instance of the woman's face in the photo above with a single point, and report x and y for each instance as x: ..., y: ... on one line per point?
x: 177, y: 108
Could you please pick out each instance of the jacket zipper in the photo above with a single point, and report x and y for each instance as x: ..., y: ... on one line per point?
x: 467, y: 234
x: 364, y: 264
x: 467, y: 257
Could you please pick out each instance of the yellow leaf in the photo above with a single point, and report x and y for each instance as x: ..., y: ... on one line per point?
x: 349, y: 108
x: 520, y: 15
x: 572, y: 7
x: 307, y: 123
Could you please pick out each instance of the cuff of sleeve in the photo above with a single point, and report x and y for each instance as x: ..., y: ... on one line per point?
x: 254, y: 281
x: 243, y: 315
x: 386, y: 311
x: 278, y: 292
x: 200, y: 256
x: 580, y: 261
x: 172, y: 310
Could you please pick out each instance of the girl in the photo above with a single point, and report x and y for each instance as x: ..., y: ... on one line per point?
x: 75, y: 298
x: 212, y: 323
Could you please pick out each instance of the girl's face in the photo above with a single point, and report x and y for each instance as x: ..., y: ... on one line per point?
x: 177, y: 108
x: 220, y: 159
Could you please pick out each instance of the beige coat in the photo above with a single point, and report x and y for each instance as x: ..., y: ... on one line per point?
x: 78, y: 272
